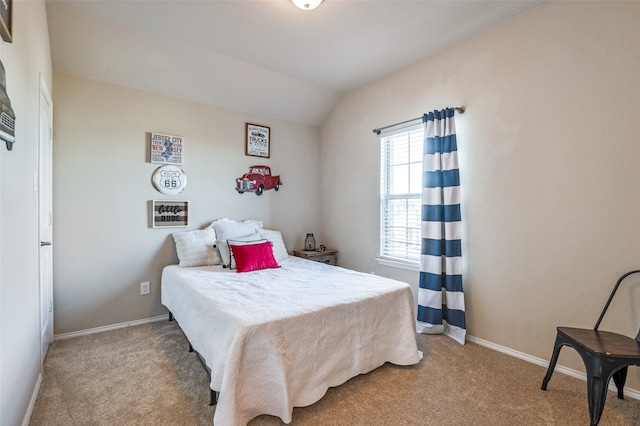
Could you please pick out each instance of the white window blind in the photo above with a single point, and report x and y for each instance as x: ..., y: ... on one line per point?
x: 401, y: 193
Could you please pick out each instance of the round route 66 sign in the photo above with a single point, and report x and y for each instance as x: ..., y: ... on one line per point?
x: 169, y: 180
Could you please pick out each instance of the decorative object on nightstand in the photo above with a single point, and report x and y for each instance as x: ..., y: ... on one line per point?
x: 328, y: 256
x: 310, y: 243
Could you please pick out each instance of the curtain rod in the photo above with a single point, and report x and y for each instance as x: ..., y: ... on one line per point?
x: 459, y: 110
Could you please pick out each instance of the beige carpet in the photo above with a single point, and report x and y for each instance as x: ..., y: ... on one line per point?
x: 144, y: 375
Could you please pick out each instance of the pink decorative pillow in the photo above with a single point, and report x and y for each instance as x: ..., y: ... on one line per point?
x: 251, y: 257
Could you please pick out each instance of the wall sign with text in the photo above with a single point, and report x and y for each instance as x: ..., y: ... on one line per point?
x: 166, y: 149
x: 257, y: 140
x: 167, y: 214
x: 169, y: 180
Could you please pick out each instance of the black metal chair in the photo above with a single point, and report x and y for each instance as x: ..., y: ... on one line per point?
x: 605, y: 355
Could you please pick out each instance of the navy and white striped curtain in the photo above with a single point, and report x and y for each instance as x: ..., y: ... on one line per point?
x: 440, y: 296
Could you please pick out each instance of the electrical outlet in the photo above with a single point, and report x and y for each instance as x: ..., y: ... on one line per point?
x: 144, y: 288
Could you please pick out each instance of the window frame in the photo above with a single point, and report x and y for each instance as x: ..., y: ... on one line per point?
x: 412, y: 132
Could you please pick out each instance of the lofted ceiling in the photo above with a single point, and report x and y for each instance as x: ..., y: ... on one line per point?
x: 262, y: 57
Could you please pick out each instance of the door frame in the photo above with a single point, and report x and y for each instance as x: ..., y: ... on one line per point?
x: 45, y: 195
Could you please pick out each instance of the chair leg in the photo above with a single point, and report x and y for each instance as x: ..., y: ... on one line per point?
x: 554, y: 359
x: 598, y: 374
x: 596, y: 393
x: 620, y: 378
x: 596, y: 386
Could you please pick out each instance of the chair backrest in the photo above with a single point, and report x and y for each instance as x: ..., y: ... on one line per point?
x: 613, y: 292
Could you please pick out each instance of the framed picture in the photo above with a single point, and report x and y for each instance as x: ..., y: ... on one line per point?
x: 166, y: 149
x: 170, y: 214
x: 257, y: 140
x: 5, y: 20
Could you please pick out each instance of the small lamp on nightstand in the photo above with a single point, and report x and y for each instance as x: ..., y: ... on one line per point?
x: 310, y: 243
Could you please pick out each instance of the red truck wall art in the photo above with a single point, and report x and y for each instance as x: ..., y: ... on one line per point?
x: 258, y: 180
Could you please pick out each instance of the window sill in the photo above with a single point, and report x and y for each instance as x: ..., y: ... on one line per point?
x: 411, y: 266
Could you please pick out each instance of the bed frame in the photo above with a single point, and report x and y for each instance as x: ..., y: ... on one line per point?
x: 213, y: 396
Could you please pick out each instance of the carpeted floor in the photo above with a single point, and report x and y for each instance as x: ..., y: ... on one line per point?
x: 144, y: 375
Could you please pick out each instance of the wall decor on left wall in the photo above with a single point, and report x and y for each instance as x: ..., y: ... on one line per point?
x: 5, y: 20
x: 7, y: 116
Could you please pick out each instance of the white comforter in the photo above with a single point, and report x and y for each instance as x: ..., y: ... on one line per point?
x: 279, y: 338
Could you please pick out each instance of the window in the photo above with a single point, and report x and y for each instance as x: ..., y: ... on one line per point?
x: 401, y: 193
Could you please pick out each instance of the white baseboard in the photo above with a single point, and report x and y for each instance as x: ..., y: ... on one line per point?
x: 109, y: 327
x: 32, y: 402
x: 632, y: 393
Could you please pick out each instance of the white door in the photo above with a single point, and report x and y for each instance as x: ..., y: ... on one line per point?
x: 45, y: 189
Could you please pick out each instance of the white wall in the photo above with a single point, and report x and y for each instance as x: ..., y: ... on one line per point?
x: 104, y: 246
x: 549, y: 154
x: 24, y: 60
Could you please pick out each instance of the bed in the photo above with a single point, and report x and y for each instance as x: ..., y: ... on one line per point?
x: 279, y: 337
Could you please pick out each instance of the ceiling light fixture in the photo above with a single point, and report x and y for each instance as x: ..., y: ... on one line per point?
x: 307, y: 4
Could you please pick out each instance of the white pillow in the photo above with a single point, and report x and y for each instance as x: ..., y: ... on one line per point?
x: 228, y: 230
x: 259, y: 223
x: 220, y: 220
x: 279, y: 249
x: 196, y: 248
x: 225, y: 253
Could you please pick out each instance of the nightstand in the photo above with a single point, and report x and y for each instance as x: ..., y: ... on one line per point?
x: 329, y: 257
